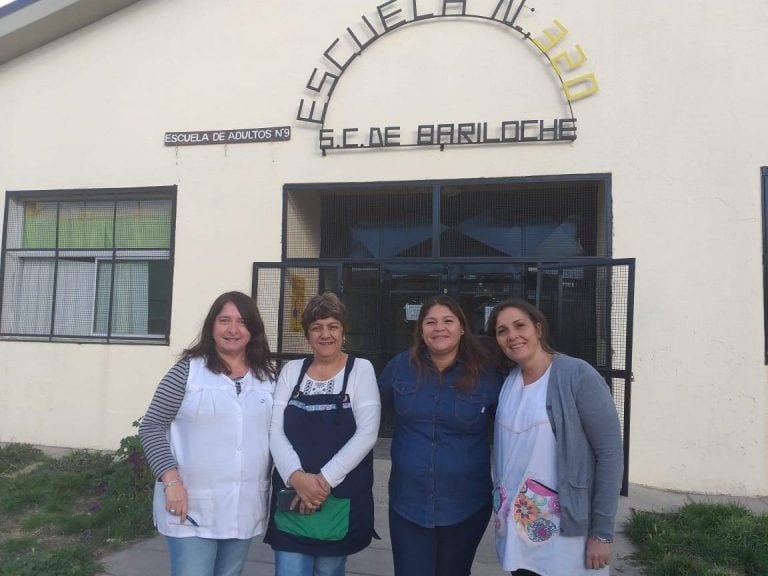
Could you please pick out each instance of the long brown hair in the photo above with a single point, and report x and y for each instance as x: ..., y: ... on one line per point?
x: 535, y: 315
x: 257, y: 354
x: 470, y: 352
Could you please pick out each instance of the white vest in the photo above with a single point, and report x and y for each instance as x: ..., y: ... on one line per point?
x: 221, y: 443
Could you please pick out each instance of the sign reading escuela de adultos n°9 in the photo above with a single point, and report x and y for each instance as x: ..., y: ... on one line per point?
x: 566, y: 60
x: 234, y: 136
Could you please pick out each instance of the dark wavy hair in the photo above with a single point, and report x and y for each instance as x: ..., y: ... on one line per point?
x: 257, y: 354
x: 534, y: 314
x: 471, y: 351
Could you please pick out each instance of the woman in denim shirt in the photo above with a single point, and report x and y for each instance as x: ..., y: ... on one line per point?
x: 444, y: 399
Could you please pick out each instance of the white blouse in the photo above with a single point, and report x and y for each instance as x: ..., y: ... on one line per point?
x: 220, y: 440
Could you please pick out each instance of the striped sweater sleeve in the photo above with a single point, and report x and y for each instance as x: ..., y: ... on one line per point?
x: 154, y: 427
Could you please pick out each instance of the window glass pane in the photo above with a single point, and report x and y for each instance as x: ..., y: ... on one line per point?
x: 362, y: 287
x: 377, y: 224
x: 130, y: 299
x: 549, y: 220
x: 360, y: 223
x: 101, y: 308
x: 27, y: 295
x: 143, y: 224
x: 86, y: 224
x: 140, y: 301
x: 74, y: 296
x: 159, y: 296
x: 39, y: 226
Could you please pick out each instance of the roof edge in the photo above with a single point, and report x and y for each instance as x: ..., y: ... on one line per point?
x: 13, y: 6
x: 26, y: 25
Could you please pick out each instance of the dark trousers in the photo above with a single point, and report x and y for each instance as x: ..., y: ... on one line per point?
x: 439, y: 551
x: 523, y: 572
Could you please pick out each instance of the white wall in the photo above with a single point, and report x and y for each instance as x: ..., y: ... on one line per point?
x: 678, y: 123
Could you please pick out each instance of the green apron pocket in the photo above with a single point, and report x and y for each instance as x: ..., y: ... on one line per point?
x: 329, y: 523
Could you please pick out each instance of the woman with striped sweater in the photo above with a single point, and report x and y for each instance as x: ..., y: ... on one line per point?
x: 205, y: 435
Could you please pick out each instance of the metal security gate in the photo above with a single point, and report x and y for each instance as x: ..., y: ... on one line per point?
x: 588, y: 302
x: 590, y: 310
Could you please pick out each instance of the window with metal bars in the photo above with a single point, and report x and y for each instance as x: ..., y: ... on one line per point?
x: 519, y: 220
x: 508, y: 219
x: 91, y: 266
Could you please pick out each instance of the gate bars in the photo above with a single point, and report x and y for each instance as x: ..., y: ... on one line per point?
x: 589, y: 303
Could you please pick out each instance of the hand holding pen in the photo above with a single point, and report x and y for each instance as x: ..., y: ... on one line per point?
x: 176, y: 501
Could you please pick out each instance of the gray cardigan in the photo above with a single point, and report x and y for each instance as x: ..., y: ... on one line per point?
x: 589, y: 452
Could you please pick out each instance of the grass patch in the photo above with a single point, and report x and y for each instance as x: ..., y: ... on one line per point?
x: 57, y: 516
x: 701, y: 540
x: 28, y: 557
x: 15, y: 457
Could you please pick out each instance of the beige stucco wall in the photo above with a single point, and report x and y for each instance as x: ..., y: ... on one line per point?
x: 678, y: 123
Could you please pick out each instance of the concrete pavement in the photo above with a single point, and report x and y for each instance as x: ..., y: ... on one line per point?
x: 149, y: 557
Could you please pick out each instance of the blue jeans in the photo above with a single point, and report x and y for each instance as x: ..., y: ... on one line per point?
x: 295, y: 564
x: 439, y: 551
x: 195, y: 556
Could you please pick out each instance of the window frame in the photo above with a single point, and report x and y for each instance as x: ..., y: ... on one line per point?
x: 764, y: 207
x: 149, y: 193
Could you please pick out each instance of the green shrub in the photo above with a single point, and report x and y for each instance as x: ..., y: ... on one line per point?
x: 14, y: 457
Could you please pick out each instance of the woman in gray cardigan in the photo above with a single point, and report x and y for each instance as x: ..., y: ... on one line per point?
x: 557, y: 454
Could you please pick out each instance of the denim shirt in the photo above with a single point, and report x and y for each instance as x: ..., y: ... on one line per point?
x: 441, y: 468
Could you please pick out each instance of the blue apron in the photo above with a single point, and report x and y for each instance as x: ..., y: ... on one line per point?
x: 318, y: 426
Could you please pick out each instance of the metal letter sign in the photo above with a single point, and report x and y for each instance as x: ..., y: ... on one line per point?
x: 236, y: 136
x: 566, y: 63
